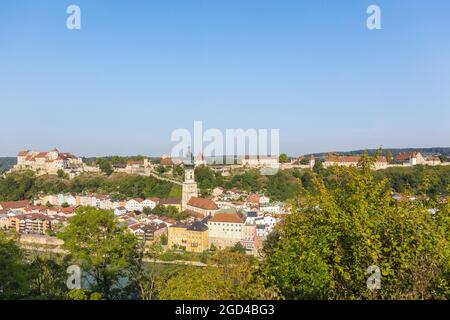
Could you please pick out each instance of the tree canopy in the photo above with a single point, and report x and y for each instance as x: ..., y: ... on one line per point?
x: 102, y: 248
x: 323, y: 249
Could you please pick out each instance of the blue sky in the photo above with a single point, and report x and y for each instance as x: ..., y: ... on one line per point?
x: 137, y: 70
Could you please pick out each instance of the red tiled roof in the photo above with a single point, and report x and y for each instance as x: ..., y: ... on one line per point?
x: 202, y: 203
x: 254, y: 198
x: 166, y: 162
x: 41, y: 155
x: 405, y: 156
x: 172, y: 201
x: 227, y: 217
x: 68, y: 210
x: 33, y: 216
x: 194, y: 214
x: 130, y: 162
x: 7, y: 205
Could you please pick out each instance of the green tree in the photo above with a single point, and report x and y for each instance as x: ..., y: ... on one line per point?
x: 163, y: 239
x: 206, y: 179
x: 13, y: 276
x: 238, y: 247
x: 323, y: 249
x: 105, y: 166
x: 389, y: 157
x: 229, y: 276
x: 48, y: 277
x: 61, y: 174
x: 101, y: 247
x: 178, y: 171
x: 170, y: 212
x: 161, y: 169
x: 147, y: 211
x: 283, y: 158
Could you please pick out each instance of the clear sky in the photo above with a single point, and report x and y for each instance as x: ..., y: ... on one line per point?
x: 137, y: 70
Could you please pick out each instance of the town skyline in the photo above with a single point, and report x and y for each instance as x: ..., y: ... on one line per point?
x: 119, y: 85
x: 150, y: 155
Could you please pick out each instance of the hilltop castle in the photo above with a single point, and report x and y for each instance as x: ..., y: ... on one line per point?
x: 48, y: 162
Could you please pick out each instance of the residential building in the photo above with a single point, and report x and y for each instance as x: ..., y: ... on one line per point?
x: 166, y: 161
x: 260, y: 161
x: 34, y: 223
x: 352, y: 161
x: 225, y: 229
x: 120, y: 211
x: 4, y: 220
x: 273, y: 208
x: 138, y: 204
x: 148, y: 232
x: 14, y: 205
x: 218, y: 191
x: 171, y: 202
x: 250, y: 240
x: 193, y: 237
x: 415, y: 158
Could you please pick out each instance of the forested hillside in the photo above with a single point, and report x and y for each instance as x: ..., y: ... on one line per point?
x: 6, y: 163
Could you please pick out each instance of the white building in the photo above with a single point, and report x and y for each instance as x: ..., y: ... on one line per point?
x: 139, y: 204
x: 225, y: 230
x: 273, y: 208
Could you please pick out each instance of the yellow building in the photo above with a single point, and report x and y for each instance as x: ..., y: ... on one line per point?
x: 194, y: 238
x: 33, y: 223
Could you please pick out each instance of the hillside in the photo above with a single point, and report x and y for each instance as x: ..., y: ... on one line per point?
x: 444, y: 151
x: 6, y: 163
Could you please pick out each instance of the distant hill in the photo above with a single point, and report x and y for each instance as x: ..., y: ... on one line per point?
x: 437, y: 151
x: 6, y: 163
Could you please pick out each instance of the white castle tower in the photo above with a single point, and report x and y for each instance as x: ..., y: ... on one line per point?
x: 189, y: 185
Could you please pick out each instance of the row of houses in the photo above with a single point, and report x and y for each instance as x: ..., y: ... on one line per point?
x: 416, y: 158
x: 25, y: 218
x: 203, y: 207
x: 105, y: 202
x: 352, y: 161
x: 225, y: 229
x: 381, y: 162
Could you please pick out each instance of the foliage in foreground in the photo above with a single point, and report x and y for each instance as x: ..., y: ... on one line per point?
x: 323, y: 249
x: 229, y: 275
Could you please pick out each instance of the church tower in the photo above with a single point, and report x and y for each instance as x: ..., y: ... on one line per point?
x: 189, y: 185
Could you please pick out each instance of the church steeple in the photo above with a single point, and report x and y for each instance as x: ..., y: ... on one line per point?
x: 189, y: 158
x: 189, y: 185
